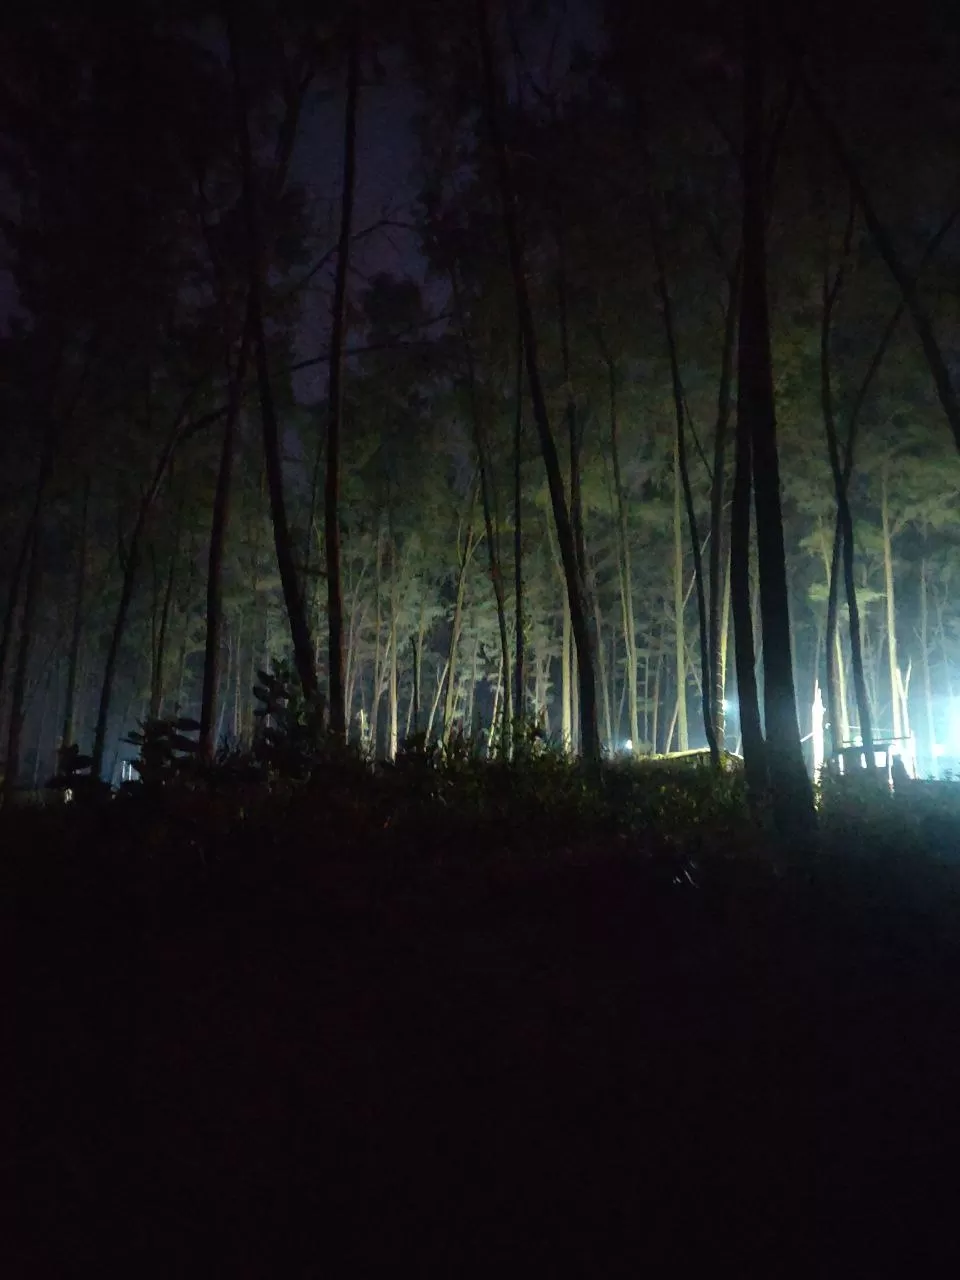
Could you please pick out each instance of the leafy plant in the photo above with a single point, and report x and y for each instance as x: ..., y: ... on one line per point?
x: 165, y: 750
x: 75, y: 779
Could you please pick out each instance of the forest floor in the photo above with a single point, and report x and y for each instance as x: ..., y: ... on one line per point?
x: 586, y: 1060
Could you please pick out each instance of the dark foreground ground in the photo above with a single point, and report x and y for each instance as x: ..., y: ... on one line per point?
x: 591, y: 1066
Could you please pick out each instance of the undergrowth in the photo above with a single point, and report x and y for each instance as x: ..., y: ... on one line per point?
x: 300, y: 794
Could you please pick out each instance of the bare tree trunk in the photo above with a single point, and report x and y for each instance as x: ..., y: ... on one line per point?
x: 15, y: 726
x: 897, y: 719
x: 497, y: 695
x: 338, y: 724
x: 490, y: 528
x: 25, y: 556
x: 129, y: 582
x: 751, y: 734
x: 791, y: 792
x: 683, y: 481
x: 292, y: 593
x: 156, y: 683
x: 602, y: 672
x: 576, y: 591
x: 518, y: 700
x: 393, y: 740
x: 654, y: 737
x: 436, y: 698
x: 566, y: 711
x: 925, y: 658
x: 76, y: 636
x: 465, y: 556
x: 719, y: 579
x: 683, y: 739
x: 218, y: 535
x: 625, y: 567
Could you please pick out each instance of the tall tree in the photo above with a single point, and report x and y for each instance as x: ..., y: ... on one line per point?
x: 576, y: 588
x: 790, y: 786
x: 338, y: 723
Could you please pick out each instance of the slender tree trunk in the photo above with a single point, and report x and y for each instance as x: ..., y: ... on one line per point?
x: 73, y: 662
x: 238, y: 686
x: 436, y: 697
x: 791, y: 791
x: 25, y: 551
x: 625, y: 566
x: 602, y: 673
x: 724, y: 635
x: 335, y: 415
x: 654, y: 736
x: 891, y: 616
x: 377, y: 646
x: 925, y: 658
x: 680, y: 645
x: 160, y: 652
x: 292, y: 593
x: 490, y: 528
x: 472, y: 716
x: 17, y: 697
x: 394, y: 691
x: 42, y: 729
x: 449, y: 705
x: 719, y: 577
x: 413, y: 716
x: 576, y: 591
x: 218, y: 536
x: 129, y: 582
x: 232, y: 660
x: 519, y: 707
x: 497, y: 710
x: 682, y: 482
x: 843, y: 544
x: 566, y: 712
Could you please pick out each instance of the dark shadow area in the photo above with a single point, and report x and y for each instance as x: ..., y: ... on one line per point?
x: 452, y: 1058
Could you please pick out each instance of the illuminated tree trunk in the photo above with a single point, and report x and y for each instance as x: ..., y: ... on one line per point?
x: 213, y: 639
x: 338, y: 723
x: 718, y: 564
x: 491, y: 527
x: 519, y: 707
x: 925, y: 659
x: 680, y: 645
x: 394, y: 692
x: 891, y: 616
x: 465, y: 555
x: 623, y: 564
x: 377, y: 646
x: 682, y: 483
x: 574, y: 702
x: 603, y: 673
x: 566, y: 714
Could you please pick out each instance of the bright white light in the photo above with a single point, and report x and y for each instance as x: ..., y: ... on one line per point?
x: 727, y: 704
x: 879, y: 759
x: 628, y: 745
x: 939, y: 749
